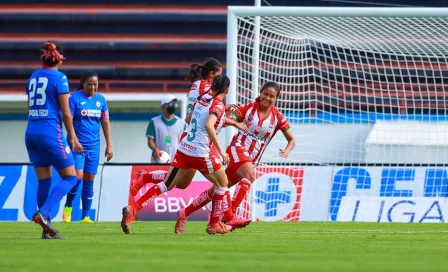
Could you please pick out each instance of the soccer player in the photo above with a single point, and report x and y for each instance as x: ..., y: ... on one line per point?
x: 199, y: 150
x: 48, y: 93
x: 202, y: 78
x: 263, y: 120
x: 89, y: 110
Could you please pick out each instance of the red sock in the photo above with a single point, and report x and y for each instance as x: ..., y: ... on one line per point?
x: 152, y: 193
x: 203, y: 199
x: 228, y: 211
x: 217, y: 203
x: 140, y: 182
x: 241, y: 190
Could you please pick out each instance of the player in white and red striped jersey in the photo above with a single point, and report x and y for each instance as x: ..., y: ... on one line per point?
x: 202, y: 78
x: 263, y: 120
x: 198, y: 150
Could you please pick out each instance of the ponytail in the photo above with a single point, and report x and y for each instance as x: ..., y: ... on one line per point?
x: 195, y: 72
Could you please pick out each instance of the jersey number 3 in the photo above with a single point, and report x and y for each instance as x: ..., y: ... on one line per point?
x: 35, y: 90
x: 193, y: 130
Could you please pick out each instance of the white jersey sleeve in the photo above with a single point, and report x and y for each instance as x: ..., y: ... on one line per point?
x: 198, y: 88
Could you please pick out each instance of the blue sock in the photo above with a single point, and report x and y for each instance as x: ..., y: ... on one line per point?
x: 87, y: 197
x: 71, y: 195
x: 43, y: 188
x: 56, y: 195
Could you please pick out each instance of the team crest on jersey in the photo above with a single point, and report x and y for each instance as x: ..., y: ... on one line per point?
x: 84, y: 112
x: 249, y: 118
x: 258, y: 129
x: 67, y: 149
x: 98, y: 104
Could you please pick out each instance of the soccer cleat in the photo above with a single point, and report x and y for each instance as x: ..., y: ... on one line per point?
x: 45, y: 223
x: 128, y: 217
x: 238, y: 223
x: 86, y: 220
x: 218, y: 228
x: 67, y: 214
x: 137, y: 183
x: 181, y: 221
x: 47, y: 236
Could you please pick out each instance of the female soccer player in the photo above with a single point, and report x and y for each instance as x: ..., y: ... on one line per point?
x: 202, y: 78
x: 89, y: 110
x: 199, y: 150
x: 48, y: 94
x: 246, y: 148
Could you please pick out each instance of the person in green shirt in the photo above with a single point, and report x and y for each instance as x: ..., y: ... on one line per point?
x: 164, y: 131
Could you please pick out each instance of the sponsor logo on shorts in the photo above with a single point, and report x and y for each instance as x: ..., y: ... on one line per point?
x: 246, y: 153
x: 67, y: 149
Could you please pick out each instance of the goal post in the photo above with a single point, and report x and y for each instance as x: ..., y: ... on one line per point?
x: 360, y: 87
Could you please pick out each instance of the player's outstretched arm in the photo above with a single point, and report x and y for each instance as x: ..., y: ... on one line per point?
x: 231, y: 120
x: 291, y: 143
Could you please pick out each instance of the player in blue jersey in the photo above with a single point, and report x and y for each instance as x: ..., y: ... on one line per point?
x: 48, y: 105
x: 89, y: 110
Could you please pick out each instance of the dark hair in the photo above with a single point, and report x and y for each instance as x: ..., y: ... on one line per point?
x: 220, y: 84
x: 198, y: 71
x: 51, y: 54
x: 270, y: 84
x: 195, y: 72
x: 87, y: 74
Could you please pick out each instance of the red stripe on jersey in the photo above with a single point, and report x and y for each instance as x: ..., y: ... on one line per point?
x: 204, y: 87
x: 247, y: 120
x: 272, y: 130
x: 260, y: 125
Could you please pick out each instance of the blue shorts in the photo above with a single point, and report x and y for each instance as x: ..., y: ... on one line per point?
x: 88, y: 161
x: 46, y: 150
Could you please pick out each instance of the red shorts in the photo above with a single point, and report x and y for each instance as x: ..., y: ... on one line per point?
x: 205, y: 165
x: 238, y: 156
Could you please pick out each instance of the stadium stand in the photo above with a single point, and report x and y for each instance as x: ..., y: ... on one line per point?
x: 137, y: 47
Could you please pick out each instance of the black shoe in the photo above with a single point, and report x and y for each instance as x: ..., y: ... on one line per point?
x: 45, y: 223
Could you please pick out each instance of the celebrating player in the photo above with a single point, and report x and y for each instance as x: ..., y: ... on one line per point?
x: 202, y: 77
x: 89, y: 109
x: 199, y: 150
x: 48, y: 102
x: 263, y: 120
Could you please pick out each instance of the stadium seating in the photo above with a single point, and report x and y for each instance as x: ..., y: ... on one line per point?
x: 121, y: 44
x: 137, y: 47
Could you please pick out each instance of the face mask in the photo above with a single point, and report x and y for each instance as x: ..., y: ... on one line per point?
x: 171, y: 108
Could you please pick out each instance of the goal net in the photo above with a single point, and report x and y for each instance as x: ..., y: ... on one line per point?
x: 360, y: 87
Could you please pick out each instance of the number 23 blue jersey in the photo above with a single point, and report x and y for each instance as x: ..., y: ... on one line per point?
x: 43, y: 89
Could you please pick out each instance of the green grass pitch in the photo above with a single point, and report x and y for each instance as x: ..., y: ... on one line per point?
x: 153, y: 246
